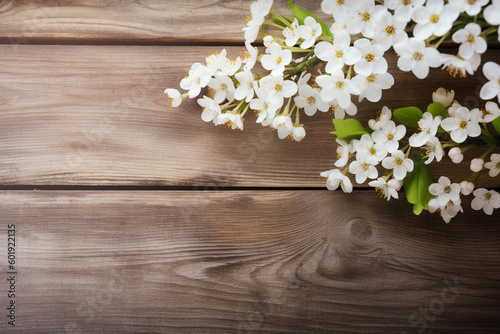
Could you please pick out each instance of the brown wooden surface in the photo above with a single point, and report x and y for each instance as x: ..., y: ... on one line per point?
x: 211, y: 262
x: 82, y: 104
x: 117, y: 21
x: 97, y: 115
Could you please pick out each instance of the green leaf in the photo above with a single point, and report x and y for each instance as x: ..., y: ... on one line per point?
x: 496, y: 124
x: 437, y: 109
x: 347, y: 129
x: 301, y: 15
x: 282, y: 21
x: 408, y: 116
x: 416, y: 185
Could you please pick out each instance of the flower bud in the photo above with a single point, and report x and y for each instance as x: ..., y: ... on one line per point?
x: 268, y: 40
x: 466, y: 187
x: 453, y: 108
x: 456, y: 155
x: 443, y: 96
x: 476, y: 165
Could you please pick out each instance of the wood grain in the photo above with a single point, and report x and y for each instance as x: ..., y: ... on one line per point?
x: 97, y: 115
x: 131, y: 21
x: 247, y: 262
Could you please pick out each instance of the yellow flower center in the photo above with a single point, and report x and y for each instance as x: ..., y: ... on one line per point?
x: 398, y: 161
x: 447, y: 189
x: 366, y: 16
x: 371, y: 78
x: 340, y: 84
x: 278, y: 60
x: 471, y: 2
x: 418, y: 56
x: 373, y: 151
x: 340, y: 2
x: 487, y: 196
x: 277, y: 87
x: 311, y: 100
x: 434, y: 18
x: 369, y: 57
x: 390, y: 136
x: 223, y: 87
x: 463, y: 124
x: 390, y: 30
x: 470, y: 39
x: 339, y: 53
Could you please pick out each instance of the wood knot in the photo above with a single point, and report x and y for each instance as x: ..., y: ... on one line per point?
x: 361, y: 232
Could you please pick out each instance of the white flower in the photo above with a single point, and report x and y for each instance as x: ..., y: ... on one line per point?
x: 456, y: 155
x: 252, y: 29
x: 466, y: 187
x: 335, y: 178
x: 389, y: 135
x: 372, y: 58
x: 266, y: 109
x: 403, y: 8
x: 369, y: 151
x: 335, y: 86
x: 174, y: 97
x: 492, y: 13
x: 292, y: 33
x: 338, y: 53
x: 415, y: 57
x: 486, y: 115
x: 384, y: 116
x: 276, y: 60
x: 218, y: 63
x: 284, y: 126
x: 278, y: 88
x: 491, y: 89
x: 428, y: 126
x: 433, y: 149
x: 223, y: 87
x: 364, y: 18
x: 445, y: 191
x: 339, y: 112
x: 399, y: 164
x: 309, y: 32
x: 457, y: 65
x: 470, y: 40
x: 435, y: 18
x: 363, y: 170
x: 310, y: 100
x: 472, y: 8
x: 392, y: 31
x: 486, y: 200
x: 245, y: 90
x: 334, y: 6
x: 461, y: 125
x: 211, y: 109
x: 493, y: 165
x: 261, y: 8
x: 448, y: 211
x: 199, y: 77
x: 386, y: 189
x: 371, y: 86
x: 343, y: 151
x: 235, y: 121
x: 443, y: 96
x: 298, y: 133
x: 252, y: 59
x: 476, y: 165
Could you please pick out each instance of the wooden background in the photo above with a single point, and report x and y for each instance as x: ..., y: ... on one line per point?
x: 132, y: 217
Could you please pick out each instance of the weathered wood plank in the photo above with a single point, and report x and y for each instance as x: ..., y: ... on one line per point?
x: 246, y: 262
x: 97, y: 115
x: 120, y: 21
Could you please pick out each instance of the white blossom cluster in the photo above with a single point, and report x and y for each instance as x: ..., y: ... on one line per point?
x: 386, y: 144
x: 352, y: 53
x: 308, y: 65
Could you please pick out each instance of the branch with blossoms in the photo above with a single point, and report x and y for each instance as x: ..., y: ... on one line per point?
x: 309, y: 65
